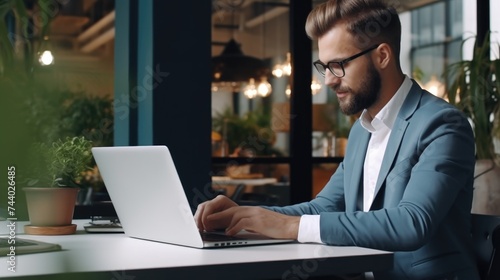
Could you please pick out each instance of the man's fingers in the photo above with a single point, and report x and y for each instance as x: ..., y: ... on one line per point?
x: 242, y: 219
x: 198, y: 216
x: 220, y: 219
x: 239, y: 225
x: 214, y: 207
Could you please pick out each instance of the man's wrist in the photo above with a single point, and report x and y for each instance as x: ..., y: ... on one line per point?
x: 293, y: 229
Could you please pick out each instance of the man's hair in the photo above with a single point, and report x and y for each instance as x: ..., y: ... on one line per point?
x: 370, y: 22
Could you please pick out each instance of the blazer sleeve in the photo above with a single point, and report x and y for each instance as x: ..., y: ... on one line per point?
x: 331, y: 198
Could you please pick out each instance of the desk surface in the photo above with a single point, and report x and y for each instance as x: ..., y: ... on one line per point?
x: 108, y: 256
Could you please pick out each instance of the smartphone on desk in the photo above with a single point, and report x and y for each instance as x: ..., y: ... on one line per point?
x: 100, y: 224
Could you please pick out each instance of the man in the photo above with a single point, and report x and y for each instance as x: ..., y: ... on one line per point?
x: 405, y: 184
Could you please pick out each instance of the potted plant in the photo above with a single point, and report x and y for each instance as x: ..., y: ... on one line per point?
x: 52, y: 188
x: 248, y: 135
x: 474, y: 88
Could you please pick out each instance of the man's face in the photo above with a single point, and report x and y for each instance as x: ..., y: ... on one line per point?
x: 360, y: 87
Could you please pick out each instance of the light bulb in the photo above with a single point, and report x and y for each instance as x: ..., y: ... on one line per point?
x: 250, y: 90
x: 278, y: 71
x: 264, y: 88
x: 287, y: 67
x: 315, y: 86
x: 46, y: 58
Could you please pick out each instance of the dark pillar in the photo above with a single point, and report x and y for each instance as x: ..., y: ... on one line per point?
x: 181, y: 90
x: 300, y: 104
x: 483, y: 20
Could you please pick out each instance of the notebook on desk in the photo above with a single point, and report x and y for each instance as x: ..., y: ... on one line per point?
x: 12, y: 246
x: 150, y: 201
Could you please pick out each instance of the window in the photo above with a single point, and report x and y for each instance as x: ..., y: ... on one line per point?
x: 436, y: 39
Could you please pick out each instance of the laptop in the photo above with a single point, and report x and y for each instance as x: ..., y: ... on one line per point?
x: 150, y: 201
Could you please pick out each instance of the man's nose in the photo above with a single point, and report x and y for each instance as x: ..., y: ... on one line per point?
x: 330, y: 79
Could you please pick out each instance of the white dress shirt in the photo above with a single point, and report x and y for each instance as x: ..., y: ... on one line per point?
x: 380, y: 127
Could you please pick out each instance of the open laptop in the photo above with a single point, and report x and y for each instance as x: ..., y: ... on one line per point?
x: 150, y: 202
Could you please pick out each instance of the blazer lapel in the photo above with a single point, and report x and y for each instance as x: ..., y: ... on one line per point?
x: 407, y: 109
x: 354, y: 190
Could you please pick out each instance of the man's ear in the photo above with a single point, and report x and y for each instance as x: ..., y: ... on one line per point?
x: 382, y: 56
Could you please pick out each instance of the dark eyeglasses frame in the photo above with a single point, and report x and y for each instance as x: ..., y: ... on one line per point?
x: 317, y: 64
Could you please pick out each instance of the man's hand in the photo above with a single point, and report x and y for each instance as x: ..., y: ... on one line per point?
x: 259, y: 220
x: 222, y: 212
x: 207, y: 208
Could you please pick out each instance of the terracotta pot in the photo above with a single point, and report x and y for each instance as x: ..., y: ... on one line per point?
x: 51, y: 207
x: 486, y: 198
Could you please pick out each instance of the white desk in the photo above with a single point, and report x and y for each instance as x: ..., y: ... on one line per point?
x: 116, y: 256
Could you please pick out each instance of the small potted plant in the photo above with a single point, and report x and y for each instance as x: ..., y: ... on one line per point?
x: 53, y: 187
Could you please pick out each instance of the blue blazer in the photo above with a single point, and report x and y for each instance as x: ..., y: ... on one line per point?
x: 423, y: 195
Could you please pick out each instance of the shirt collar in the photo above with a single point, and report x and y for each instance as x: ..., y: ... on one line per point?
x: 387, y: 116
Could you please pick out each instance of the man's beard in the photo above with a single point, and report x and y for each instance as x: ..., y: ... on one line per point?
x: 365, y: 96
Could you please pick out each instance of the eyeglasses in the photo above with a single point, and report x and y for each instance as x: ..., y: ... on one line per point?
x: 337, y: 67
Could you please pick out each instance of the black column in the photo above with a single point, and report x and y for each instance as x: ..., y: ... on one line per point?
x: 483, y: 20
x: 300, y: 104
x: 182, y: 99
x: 132, y: 52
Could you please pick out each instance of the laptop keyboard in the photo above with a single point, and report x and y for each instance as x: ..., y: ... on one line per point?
x: 214, y: 236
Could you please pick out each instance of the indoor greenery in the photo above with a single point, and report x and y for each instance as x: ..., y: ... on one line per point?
x: 250, y: 134
x: 61, y: 163
x: 55, y: 114
x: 32, y: 103
x: 473, y: 88
x: 18, y: 84
x: 17, y: 51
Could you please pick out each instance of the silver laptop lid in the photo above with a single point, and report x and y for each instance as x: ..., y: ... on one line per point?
x: 147, y: 194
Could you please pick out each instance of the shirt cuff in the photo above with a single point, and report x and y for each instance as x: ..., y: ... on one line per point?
x: 309, y: 230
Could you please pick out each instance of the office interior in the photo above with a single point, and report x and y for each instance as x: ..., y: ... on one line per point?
x: 147, y: 67
x: 153, y: 69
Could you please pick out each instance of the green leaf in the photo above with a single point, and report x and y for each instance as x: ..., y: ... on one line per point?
x: 473, y: 87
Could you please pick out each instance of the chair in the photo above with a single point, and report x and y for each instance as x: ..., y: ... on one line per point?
x: 486, y: 238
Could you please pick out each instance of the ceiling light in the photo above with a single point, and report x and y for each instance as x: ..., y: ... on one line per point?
x: 250, y: 90
x: 46, y: 58
x: 264, y: 88
x: 232, y: 67
x: 283, y: 69
x: 315, y: 86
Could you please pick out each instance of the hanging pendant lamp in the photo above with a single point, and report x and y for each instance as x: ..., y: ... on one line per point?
x: 232, y: 66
